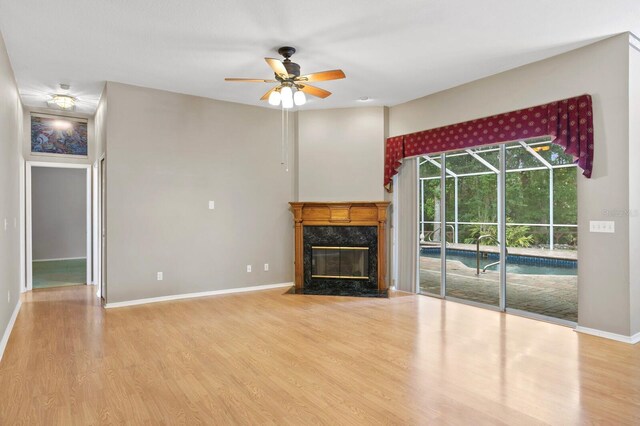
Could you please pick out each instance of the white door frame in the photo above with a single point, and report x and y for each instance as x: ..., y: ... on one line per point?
x: 29, y: 229
x: 97, y: 222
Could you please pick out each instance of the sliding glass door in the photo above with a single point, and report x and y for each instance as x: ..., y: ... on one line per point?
x: 542, y: 231
x: 473, y: 222
x: 501, y: 221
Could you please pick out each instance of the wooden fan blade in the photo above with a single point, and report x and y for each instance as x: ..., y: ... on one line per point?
x: 266, y: 95
x: 277, y: 67
x: 322, y: 76
x: 250, y: 80
x: 315, y: 91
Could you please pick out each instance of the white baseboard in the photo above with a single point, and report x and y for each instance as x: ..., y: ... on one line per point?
x: 62, y: 258
x: 607, y: 335
x: 193, y: 295
x: 7, y: 331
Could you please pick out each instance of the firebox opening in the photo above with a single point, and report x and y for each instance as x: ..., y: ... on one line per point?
x: 340, y: 262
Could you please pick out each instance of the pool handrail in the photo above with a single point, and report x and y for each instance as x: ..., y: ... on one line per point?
x: 481, y: 237
x: 430, y: 234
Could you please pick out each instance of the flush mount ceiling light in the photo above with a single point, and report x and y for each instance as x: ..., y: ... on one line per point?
x: 64, y: 101
x: 292, y: 86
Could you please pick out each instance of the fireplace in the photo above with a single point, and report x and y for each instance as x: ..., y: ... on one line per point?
x: 340, y: 248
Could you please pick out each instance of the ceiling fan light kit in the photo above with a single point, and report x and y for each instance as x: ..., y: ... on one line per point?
x: 292, y: 86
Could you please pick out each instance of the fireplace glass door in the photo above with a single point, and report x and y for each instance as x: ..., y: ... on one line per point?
x: 340, y: 262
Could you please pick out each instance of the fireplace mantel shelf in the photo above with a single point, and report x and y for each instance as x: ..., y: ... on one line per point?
x: 341, y: 213
x: 354, y: 213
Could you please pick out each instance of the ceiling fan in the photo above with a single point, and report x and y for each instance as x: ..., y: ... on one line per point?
x: 292, y: 86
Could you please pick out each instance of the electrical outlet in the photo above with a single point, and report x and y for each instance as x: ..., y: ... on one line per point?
x: 212, y: 205
x: 160, y: 277
x: 8, y: 296
x: 248, y: 268
x: 266, y: 266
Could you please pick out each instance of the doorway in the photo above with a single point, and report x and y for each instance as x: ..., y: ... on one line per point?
x: 59, y: 222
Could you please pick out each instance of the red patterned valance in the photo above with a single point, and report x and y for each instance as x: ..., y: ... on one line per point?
x: 568, y: 122
x: 394, y: 153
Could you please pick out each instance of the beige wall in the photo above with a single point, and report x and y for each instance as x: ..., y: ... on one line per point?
x: 10, y: 137
x: 100, y: 127
x: 341, y: 154
x: 601, y: 70
x: 59, y: 213
x: 167, y: 156
x: 634, y: 181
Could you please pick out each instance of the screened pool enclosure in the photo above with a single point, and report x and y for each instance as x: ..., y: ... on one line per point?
x: 501, y: 222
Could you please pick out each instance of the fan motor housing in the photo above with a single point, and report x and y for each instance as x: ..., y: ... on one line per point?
x: 292, y: 67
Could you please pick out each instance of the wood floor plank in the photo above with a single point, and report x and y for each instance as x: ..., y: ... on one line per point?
x: 273, y: 358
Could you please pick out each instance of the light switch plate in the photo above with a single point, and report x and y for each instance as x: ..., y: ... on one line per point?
x: 248, y: 268
x: 605, y: 226
x: 212, y: 205
x: 160, y: 276
x: 266, y: 266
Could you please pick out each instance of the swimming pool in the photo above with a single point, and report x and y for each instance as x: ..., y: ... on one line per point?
x: 516, y: 264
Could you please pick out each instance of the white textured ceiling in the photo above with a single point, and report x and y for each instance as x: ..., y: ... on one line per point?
x: 391, y: 51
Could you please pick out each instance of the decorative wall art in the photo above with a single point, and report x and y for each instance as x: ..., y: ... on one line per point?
x: 58, y: 135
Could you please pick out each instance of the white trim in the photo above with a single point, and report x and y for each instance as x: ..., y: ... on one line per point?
x: 58, y: 165
x: 89, y: 224
x: 23, y: 229
x: 7, y: 331
x: 28, y: 240
x: 607, y: 335
x: 64, y: 117
x: 28, y: 217
x: 194, y: 295
x: 94, y: 227
x: 62, y: 258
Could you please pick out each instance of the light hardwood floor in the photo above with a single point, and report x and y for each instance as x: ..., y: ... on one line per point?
x: 272, y: 358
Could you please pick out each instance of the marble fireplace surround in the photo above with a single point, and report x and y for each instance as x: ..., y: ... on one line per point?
x: 348, y: 224
x: 343, y: 236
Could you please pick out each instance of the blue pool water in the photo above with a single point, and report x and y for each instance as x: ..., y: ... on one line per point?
x: 515, y: 264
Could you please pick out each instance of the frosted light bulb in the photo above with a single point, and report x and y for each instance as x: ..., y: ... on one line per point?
x: 299, y: 98
x: 287, y: 97
x: 274, y: 98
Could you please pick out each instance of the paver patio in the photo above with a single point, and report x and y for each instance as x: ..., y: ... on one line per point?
x: 551, y: 295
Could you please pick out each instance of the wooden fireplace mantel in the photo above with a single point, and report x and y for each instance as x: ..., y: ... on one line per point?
x: 346, y: 213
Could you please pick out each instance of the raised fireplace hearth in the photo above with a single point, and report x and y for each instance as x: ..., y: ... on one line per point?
x: 340, y: 248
